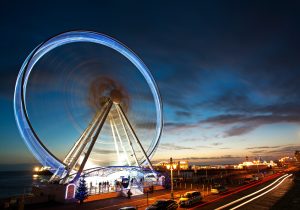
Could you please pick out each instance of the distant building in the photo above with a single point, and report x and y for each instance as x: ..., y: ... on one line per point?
x: 181, y: 164
x: 256, y: 164
x: 212, y: 167
x: 289, y: 160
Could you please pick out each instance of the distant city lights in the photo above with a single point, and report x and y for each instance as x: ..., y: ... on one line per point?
x: 39, y: 169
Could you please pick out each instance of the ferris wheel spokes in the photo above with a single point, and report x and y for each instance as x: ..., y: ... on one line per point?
x: 114, y: 137
x: 123, y: 116
x: 73, y: 156
x: 121, y: 142
x: 71, y: 162
x: 120, y: 126
x: 70, y: 156
x: 104, y: 115
x: 127, y: 137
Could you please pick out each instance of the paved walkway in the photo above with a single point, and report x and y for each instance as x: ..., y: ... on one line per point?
x: 109, y: 204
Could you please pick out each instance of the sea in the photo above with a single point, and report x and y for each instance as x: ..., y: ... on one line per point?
x: 13, y: 183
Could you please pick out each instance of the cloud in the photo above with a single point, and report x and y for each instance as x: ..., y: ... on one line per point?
x: 242, y: 124
x: 104, y: 151
x: 229, y: 100
x: 263, y: 147
x: 285, y: 150
x: 274, y: 150
x: 255, y: 119
x: 183, y: 114
x: 178, y: 126
x: 169, y: 146
x: 213, y: 159
x: 259, y: 151
x: 146, y: 125
x: 239, y: 130
x: 217, y: 143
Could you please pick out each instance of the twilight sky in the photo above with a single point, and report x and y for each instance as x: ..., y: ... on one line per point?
x: 228, y: 71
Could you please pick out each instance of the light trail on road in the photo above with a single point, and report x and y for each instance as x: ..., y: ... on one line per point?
x: 240, y: 189
x: 281, y: 179
x: 242, y: 204
x: 142, y: 201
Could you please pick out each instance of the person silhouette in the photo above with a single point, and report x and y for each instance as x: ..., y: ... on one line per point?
x: 129, y: 193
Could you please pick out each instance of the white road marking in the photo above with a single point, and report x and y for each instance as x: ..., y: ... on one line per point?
x: 242, y: 204
x: 247, y: 196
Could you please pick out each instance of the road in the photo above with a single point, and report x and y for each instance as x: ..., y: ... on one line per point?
x: 236, y: 197
x: 291, y: 200
x: 262, y: 196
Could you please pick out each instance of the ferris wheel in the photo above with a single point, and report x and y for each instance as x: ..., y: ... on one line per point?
x: 83, y: 100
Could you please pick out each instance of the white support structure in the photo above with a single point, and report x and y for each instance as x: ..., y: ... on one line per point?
x: 104, y: 114
x: 83, y: 142
x: 121, y: 142
x: 74, y: 149
x: 74, y: 154
x: 90, y: 136
x: 114, y: 136
x: 134, y: 135
x: 87, y: 138
x: 127, y: 137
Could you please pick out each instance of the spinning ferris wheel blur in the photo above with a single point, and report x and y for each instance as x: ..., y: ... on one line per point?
x: 84, y: 100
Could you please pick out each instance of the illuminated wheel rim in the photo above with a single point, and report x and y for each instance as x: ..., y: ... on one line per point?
x: 35, y: 145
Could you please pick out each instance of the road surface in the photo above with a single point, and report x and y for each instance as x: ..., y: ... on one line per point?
x: 257, y: 195
x: 262, y: 196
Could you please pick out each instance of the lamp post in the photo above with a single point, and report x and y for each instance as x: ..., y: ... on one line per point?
x: 257, y: 166
x: 171, y: 166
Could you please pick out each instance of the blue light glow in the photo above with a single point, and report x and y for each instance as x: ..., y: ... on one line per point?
x: 42, y: 154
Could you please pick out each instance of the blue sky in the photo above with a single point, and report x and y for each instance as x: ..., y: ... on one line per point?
x: 228, y: 71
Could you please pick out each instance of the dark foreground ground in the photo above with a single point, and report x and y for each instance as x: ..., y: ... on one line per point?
x: 286, y: 196
x: 209, y: 202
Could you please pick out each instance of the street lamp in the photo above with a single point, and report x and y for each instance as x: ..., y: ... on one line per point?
x: 256, y: 162
x: 171, y: 166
